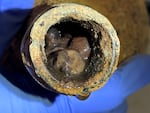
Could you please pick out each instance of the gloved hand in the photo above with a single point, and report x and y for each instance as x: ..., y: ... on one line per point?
x: 129, y: 77
x: 12, y: 15
x: 110, y: 99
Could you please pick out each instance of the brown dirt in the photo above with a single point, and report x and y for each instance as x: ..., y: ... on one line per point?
x: 129, y: 18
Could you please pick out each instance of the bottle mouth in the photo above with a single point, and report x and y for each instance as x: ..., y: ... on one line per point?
x: 71, y: 49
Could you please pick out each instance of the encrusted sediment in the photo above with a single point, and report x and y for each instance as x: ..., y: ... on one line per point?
x: 53, y: 62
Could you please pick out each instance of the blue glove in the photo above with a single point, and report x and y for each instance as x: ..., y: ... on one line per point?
x: 12, y: 15
x: 129, y: 77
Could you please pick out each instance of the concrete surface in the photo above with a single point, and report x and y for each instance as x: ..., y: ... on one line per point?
x: 140, y: 101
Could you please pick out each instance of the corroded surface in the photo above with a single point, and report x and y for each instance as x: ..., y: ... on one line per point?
x: 81, y: 45
x: 102, y: 55
x: 70, y: 62
x: 129, y: 18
